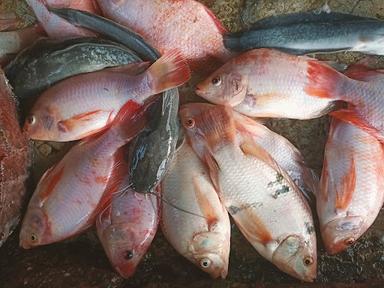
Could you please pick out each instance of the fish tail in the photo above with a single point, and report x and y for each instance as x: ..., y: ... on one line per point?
x: 324, y: 82
x: 232, y: 42
x: 170, y: 71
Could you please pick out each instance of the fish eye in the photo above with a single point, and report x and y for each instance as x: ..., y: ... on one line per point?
x: 33, y: 237
x: 205, y: 263
x: 216, y: 81
x: 349, y: 241
x: 31, y: 119
x: 189, y: 123
x: 308, y: 260
x: 128, y: 255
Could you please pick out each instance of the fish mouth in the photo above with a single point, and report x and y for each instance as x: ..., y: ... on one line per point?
x: 339, y: 234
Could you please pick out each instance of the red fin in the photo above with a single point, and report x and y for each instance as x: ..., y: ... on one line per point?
x: 213, y: 169
x: 344, y: 197
x: 350, y: 116
x: 70, y: 123
x: 323, y: 81
x: 170, y: 71
x: 52, y: 177
x: 364, y: 73
x: 217, y: 22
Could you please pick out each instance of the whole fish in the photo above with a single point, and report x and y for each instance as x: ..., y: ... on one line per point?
x: 55, y: 26
x: 265, y: 204
x: 14, y: 162
x: 166, y: 24
x: 201, y: 231
x: 269, y: 83
x: 127, y: 227
x: 153, y: 150
x: 69, y: 196
x: 83, y: 105
x: 352, y: 187
x: 47, y: 62
x: 311, y: 32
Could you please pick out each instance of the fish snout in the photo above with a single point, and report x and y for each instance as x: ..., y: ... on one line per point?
x: 341, y: 233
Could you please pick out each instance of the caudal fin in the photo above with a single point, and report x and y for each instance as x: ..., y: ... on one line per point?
x: 170, y: 71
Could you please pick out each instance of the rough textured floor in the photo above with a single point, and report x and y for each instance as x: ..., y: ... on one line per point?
x: 81, y: 262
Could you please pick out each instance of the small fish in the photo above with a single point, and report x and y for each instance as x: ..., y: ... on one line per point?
x: 83, y: 105
x: 69, y: 196
x: 265, y: 204
x: 352, y: 187
x: 202, y: 235
x: 311, y: 32
x: 14, y: 162
x: 185, y: 25
x: 55, y: 26
x: 127, y: 227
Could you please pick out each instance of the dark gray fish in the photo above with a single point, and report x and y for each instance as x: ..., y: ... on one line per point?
x: 153, y: 149
x: 312, y: 32
x: 49, y: 61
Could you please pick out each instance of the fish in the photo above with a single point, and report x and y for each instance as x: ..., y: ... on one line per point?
x: 14, y: 162
x: 9, y: 21
x: 153, y: 150
x: 264, y: 202
x: 71, y: 194
x: 82, y: 105
x: 55, y: 26
x: 48, y: 61
x: 351, y: 187
x: 311, y: 32
x: 201, y: 230
x: 166, y: 24
x: 271, y: 83
x: 127, y: 227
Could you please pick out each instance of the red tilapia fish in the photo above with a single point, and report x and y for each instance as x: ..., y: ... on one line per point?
x: 269, y: 83
x: 266, y: 205
x: 127, y: 227
x: 202, y: 235
x: 55, y: 26
x: 14, y: 161
x: 84, y: 104
x: 352, y: 187
x: 167, y: 24
x: 69, y: 195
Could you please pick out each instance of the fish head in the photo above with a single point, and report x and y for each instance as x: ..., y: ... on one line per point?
x: 210, y: 252
x: 207, y: 126
x: 297, y: 257
x: 341, y: 233
x: 41, y: 124
x: 226, y: 86
x: 34, y: 229
x: 125, y: 248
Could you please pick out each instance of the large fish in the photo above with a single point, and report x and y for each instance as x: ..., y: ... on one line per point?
x: 352, y: 187
x: 166, y: 24
x: 270, y: 83
x: 266, y: 205
x: 70, y: 194
x: 84, y: 104
x: 311, y: 32
x: 127, y: 227
x: 201, y: 230
x: 14, y: 162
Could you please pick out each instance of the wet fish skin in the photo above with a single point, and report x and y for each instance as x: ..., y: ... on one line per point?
x: 47, y: 62
x: 255, y: 191
x: 203, y: 238
x: 14, y: 162
x: 310, y: 32
x: 352, y: 190
x: 85, y: 104
x: 69, y: 196
x: 127, y: 227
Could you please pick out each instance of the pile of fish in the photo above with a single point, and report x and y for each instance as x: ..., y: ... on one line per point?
x: 134, y: 168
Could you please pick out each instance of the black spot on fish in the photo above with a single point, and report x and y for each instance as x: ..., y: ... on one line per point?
x: 310, y: 228
x: 233, y: 210
x: 279, y: 180
x: 284, y: 189
x: 106, y: 89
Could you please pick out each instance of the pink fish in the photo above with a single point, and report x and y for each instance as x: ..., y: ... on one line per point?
x: 127, y: 227
x: 167, y: 24
x: 70, y: 194
x: 84, y: 104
